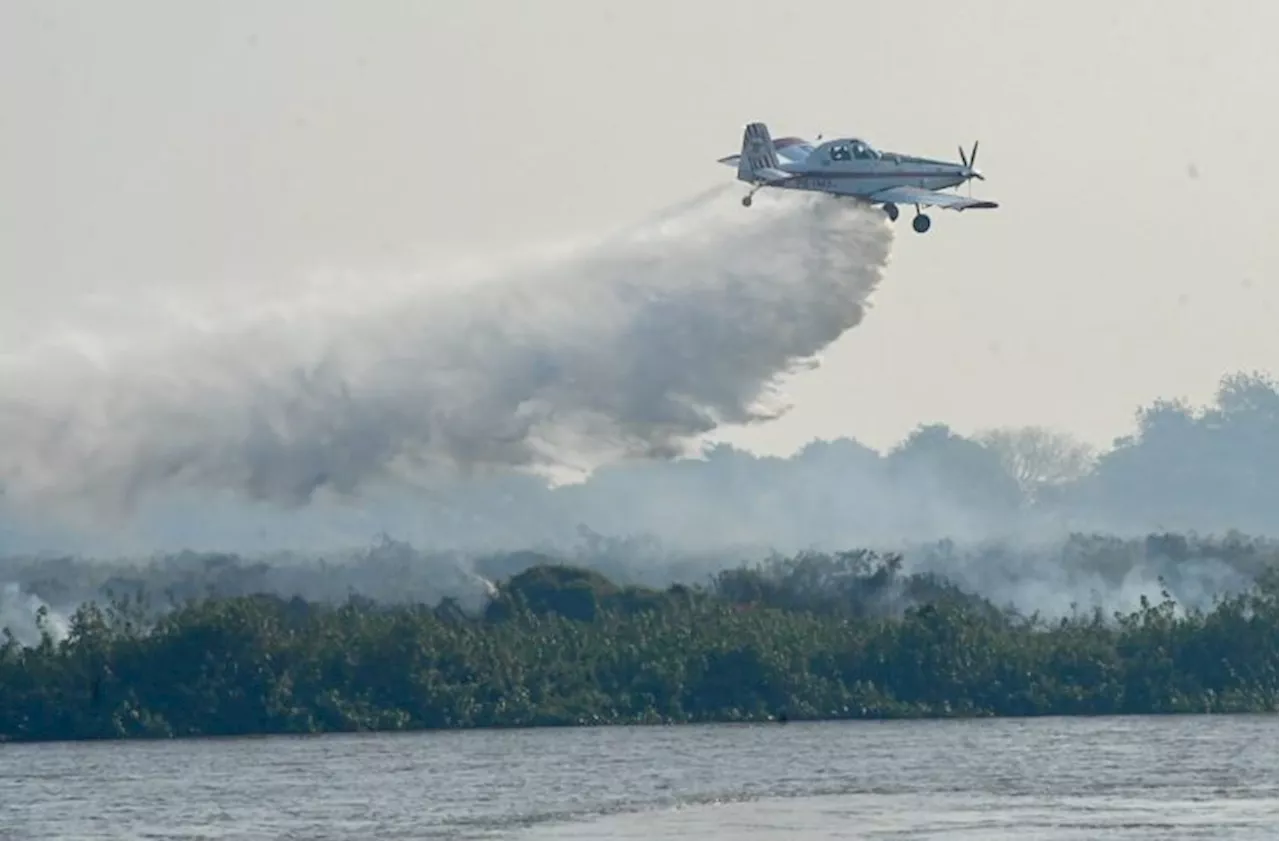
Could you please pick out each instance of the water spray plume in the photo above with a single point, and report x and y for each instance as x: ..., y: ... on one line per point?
x: 632, y: 346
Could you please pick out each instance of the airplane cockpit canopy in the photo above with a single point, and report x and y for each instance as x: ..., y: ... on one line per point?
x: 852, y: 149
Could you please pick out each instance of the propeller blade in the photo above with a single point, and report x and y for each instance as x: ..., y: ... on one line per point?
x: 973, y: 156
x: 963, y: 159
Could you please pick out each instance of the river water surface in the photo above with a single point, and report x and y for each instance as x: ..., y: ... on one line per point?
x: 1127, y: 778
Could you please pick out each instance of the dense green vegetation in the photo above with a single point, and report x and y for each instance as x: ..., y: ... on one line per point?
x: 816, y: 636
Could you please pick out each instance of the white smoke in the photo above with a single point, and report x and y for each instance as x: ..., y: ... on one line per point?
x: 635, y: 345
x: 20, y: 615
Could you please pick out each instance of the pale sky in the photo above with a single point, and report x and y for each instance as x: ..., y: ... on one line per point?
x: 1132, y: 147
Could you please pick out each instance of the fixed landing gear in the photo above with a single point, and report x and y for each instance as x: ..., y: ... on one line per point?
x: 921, y: 222
x: 746, y: 200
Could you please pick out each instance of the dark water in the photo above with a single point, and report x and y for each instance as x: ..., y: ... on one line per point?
x: 1151, y: 778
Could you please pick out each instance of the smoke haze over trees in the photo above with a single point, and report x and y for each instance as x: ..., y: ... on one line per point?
x: 1022, y: 517
x: 1210, y: 469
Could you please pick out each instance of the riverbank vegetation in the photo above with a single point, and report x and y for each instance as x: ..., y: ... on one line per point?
x: 847, y: 635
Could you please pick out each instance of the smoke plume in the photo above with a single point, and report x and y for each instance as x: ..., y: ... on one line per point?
x: 632, y: 346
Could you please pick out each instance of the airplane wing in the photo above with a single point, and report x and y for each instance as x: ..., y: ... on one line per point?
x: 920, y: 196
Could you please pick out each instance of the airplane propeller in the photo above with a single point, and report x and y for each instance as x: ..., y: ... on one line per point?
x: 971, y: 160
x: 968, y: 162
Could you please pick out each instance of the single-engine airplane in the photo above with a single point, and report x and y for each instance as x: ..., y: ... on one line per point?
x: 847, y: 166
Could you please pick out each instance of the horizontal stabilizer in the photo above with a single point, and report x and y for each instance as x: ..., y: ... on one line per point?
x: 769, y: 175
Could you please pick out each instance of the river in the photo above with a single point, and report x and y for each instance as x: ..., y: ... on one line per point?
x: 1051, y: 778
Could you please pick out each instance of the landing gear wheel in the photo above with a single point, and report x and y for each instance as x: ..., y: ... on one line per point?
x: 891, y: 210
x: 920, y: 223
x: 746, y: 201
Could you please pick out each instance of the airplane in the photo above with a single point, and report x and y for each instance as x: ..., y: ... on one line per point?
x: 847, y: 166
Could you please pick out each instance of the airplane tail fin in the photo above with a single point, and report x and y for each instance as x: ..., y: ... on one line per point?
x: 757, y: 152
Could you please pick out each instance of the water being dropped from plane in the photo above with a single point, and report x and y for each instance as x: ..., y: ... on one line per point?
x: 632, y: 345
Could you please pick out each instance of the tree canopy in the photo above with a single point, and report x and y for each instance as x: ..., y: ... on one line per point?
x: 813, y: 636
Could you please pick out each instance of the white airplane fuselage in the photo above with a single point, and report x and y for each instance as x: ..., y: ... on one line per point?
x: 865, y: 178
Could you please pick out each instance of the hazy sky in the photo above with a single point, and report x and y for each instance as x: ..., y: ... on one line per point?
x: 238, y: 146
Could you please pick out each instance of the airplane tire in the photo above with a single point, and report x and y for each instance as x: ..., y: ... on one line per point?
x: 746, y: 201
x: 920, y: 223
x: 891, y: 210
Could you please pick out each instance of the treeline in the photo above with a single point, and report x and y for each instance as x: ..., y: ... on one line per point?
x: 1184, y: 468
x: 813, y: 636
